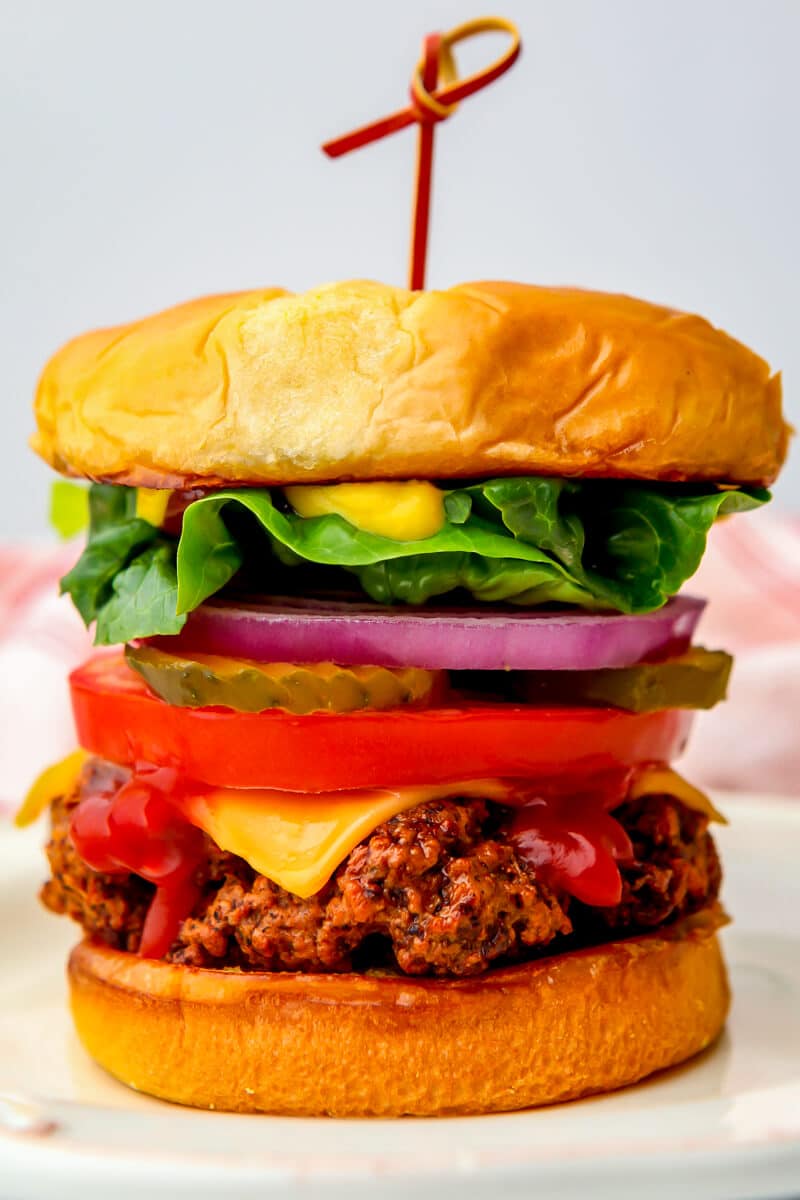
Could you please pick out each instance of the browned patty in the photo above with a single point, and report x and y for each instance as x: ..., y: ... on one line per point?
x: 435, y: 890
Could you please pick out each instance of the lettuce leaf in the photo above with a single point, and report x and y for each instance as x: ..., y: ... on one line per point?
x: 469, y: 554
x: 69, y: 508
x: 632, y: 545
x: 116, y: 537
x: 601, y: 544
x: 143, y: 598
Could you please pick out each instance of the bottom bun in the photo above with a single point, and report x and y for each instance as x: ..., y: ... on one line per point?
x: 383, y: 1045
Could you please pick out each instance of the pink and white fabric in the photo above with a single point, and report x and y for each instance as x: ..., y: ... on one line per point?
x: 41, y: 639
x: 751, y: 578
x: 750, y: 575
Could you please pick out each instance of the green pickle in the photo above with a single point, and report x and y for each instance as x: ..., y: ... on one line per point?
x: 206, y: 680
x: 696, y: 679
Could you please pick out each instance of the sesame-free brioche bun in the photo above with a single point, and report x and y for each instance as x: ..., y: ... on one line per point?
x: 383, y: 1045
x: 362, y: 381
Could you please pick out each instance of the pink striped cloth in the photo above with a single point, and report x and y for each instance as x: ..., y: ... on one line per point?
x: 750, y: 575
x: 751, y: 578
x: 41, y: 639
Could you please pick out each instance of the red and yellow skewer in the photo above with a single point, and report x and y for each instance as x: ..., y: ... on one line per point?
x: 430, y: 104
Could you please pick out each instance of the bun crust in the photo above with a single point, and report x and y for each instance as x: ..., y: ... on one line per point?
x: 357, y: 1045
x: 363, y: 381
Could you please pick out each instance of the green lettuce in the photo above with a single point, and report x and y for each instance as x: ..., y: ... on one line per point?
x: 596, y: 544
x: 126, y: 577
x: 69, y: 508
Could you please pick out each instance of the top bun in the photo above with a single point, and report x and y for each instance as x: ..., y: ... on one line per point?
x: 363, y: 381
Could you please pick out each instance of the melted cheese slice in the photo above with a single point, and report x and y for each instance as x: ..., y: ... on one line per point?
x: 58, y: 780
x: 405, y: 512
x: 298, y: 840
x: 662, y: 780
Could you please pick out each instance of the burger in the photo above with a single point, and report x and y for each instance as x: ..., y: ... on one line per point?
x: 374, y: 811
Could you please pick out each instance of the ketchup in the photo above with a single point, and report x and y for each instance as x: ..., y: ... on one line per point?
x: 573, y: 841
x: 138, y: 828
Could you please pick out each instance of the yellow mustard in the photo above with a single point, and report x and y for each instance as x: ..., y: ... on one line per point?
x: 151, y: 504
x: 405, y: 512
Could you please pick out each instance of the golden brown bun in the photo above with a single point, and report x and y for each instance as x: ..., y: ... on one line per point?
x: 363, y: 381
x: 352, y: 1045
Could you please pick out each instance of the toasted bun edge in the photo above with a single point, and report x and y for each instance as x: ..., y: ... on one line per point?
x: 560, y: 1027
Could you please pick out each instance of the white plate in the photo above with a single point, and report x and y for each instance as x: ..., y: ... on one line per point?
x: 727, y: 1125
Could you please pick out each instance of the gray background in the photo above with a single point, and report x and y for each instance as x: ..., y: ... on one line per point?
x: 153, y: 151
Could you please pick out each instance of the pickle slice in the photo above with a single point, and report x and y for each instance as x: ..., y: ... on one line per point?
x: 696, y: 679
x: 206, y: 680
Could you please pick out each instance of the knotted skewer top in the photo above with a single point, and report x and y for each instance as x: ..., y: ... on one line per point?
x: 429, y: 105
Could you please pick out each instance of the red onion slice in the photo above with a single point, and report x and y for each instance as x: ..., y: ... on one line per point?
x: 440, y: 639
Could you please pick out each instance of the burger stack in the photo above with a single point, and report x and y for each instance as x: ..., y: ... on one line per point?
x: 374, y: 808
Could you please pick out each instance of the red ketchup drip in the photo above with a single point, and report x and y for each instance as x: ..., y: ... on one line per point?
x: 137, y: 828
x: 573, y: 841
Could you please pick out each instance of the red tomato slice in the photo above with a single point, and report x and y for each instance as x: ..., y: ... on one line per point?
x: 118, y: 719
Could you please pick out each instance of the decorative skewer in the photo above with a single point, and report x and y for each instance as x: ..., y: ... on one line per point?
x: 430, y: 104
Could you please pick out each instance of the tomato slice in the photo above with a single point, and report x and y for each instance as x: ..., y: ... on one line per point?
x: 118, y: 719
